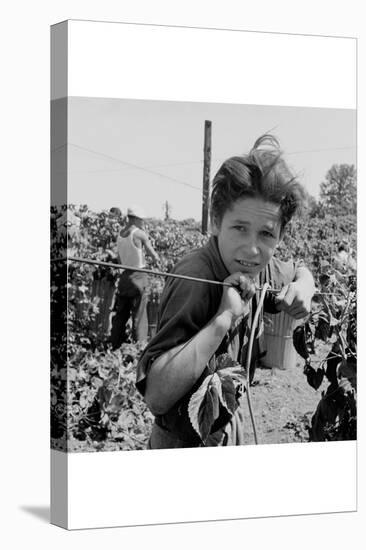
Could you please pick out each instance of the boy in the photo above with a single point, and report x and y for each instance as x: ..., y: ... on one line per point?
x: 253, y: 198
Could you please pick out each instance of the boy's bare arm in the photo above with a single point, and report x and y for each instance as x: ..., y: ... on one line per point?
x: 174, y: 373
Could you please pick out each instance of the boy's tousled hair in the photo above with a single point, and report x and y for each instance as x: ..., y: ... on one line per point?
x: 262, y: 173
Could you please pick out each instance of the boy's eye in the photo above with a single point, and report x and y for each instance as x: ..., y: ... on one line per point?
x: 268, y: 234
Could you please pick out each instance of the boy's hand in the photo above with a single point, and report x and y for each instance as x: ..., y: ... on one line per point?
x: 234, y: 301
x: 295, y: 299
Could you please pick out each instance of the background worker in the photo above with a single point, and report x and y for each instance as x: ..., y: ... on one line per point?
x: 130, y: 298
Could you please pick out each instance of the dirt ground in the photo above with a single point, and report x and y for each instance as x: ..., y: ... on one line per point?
x: 283, y: 404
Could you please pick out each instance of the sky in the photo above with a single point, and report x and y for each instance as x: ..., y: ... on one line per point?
x: 123, y: 151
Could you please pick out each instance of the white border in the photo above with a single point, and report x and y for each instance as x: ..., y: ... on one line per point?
x: 173, y: 486
x: 129, y: 488
x: 132, y: 61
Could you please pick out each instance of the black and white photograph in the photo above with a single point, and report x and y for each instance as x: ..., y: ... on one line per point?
x: 203, y: 262
x: 185, y: 367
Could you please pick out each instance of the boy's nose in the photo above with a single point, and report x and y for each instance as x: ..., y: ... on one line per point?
x: 254, y: 250
x: 251, y: 247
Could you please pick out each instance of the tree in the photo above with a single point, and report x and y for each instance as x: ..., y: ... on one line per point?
x: 338, y: 192
x: 311, y: 204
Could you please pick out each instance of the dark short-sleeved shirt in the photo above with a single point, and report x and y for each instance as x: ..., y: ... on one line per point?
x: 185, y: 308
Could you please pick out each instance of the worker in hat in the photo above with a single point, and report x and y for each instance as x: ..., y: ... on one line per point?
x: 130, y: 299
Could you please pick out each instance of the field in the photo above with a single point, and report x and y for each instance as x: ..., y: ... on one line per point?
x: 94, y: 403
x: 283, y: 405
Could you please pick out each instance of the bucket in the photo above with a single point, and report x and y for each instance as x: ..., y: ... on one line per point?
x: 277, y: 337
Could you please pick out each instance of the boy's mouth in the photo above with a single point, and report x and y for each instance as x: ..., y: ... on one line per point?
x: 248, y: 264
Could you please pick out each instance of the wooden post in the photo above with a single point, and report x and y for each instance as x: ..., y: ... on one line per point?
x: 206, y: 176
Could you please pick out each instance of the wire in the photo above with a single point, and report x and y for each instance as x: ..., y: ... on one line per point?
x: 173, y: 275
x: 297, y: 152
x: 164, y: 176
x: 137, y: 167
x: 149, y: 271
x: 145, y: 167
x: 319, y: 150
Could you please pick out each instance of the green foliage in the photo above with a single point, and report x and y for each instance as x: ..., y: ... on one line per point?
x: 173, y: 239
x: 338, y: 192
x: 94, y: 402
x: 103, y: 410
x: 316, y: 240
x: 333, y: 322
x: 86, y: 234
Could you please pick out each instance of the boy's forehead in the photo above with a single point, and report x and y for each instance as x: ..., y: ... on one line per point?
x: 255, y: 209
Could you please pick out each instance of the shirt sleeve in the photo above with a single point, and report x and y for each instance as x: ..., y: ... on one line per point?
x: 185, y: 309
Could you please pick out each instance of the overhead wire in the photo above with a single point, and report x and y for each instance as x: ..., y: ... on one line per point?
x: 165, y: 176
x: 136, y: 166
x: 148, y: 271
x: 167, y: 274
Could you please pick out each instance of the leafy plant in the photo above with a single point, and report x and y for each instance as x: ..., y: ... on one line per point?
x: 333, y: 322
x: 102, y: 403
x: 217, y: 396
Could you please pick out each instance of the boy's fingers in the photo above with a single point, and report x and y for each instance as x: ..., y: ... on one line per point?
x: 242, y: 284
x: 285, y: 298
x: 280, y: 296
x: 288, y: 301
x: 279, y: 301
x: 299, y: 311
x: 247, y: 287
x: 300, y: 315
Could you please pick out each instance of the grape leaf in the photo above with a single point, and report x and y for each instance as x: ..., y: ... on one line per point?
x: 314, y: 377
x: 324, y: 279
x: 203, y: 407
x: 323, y: 329
x: 348, y: 369
x: 104, y: 395
x: 225, y: 361
x: 228, y: 393
x: 116, y: 402
x: 215, y: 401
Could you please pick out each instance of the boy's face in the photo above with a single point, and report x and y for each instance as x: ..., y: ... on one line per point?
x: 248, y: 235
